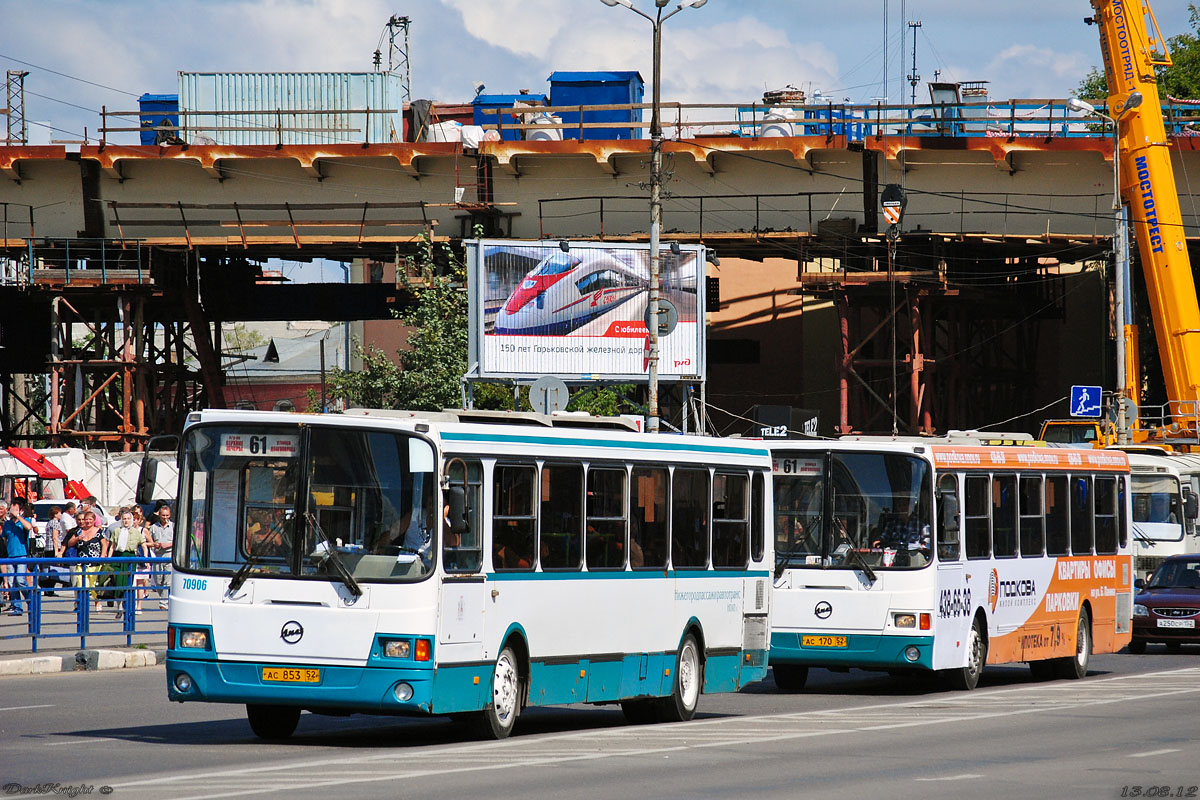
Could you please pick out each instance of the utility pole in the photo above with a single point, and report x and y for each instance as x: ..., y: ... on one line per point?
x: 914, y: 77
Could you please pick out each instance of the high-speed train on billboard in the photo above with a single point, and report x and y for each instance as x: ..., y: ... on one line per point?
x: 567, y: 290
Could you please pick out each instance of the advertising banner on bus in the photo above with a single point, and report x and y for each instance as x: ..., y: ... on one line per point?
x: 578, y: 310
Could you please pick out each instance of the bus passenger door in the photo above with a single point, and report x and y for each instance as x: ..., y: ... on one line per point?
x: 953, y: 607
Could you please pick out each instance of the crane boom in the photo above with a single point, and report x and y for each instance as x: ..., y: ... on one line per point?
x: 1148, y: 186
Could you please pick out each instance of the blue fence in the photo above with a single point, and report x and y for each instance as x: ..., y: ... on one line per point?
x: 84, y: 599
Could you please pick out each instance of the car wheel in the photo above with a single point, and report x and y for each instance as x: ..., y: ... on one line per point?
x: 1137, y: 646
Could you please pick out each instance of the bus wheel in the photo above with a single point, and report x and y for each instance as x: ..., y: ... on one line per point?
x: 272, y: 722
x: 1075, y: 667
x: 685, y: 690
x: 497, y: 720
x: 967, y: 678
x: 1137, y: 646
x: 789, y: 677
x: 640, y: 712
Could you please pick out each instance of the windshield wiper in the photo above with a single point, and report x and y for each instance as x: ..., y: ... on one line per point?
x: 331, y: 555
x: 1142, y: 537
x: 243, y: 572
x: 862, y: 562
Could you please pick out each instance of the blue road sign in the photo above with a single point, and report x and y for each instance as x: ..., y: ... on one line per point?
x: 1085, y: 401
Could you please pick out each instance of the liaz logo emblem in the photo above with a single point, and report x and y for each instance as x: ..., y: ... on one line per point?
x: 291, y: 632
x: 823, y: 610
x: 993, y: 589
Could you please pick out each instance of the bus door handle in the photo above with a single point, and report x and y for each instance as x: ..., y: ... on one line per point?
x: 495, y: 593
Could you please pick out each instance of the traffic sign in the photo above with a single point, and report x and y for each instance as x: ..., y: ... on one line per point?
x: 1085, y: 401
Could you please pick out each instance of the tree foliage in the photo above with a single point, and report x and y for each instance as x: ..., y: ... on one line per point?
x: 1181, y: 80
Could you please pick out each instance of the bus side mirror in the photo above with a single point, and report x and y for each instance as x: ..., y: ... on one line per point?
x: 456, y: 498
x: 949, y: 506
x: 1191, y: 506
x: 148, y: 473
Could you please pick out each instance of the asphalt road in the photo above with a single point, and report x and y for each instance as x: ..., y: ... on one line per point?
x: 1130, y: 723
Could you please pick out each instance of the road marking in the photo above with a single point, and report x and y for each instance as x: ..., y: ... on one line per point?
x: 22, y: 708
x: 1155, y: 753
x: 963, y: 777
x: 653, y: 741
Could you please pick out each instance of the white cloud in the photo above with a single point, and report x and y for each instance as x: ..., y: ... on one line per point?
x: 526, y: 27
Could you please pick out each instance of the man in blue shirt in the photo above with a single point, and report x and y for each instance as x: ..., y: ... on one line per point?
x: 15, y: 533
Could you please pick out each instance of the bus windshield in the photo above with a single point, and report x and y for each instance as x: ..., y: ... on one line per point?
x: 1156, y: 500
x: 843, y: 509
x: 283, y: 501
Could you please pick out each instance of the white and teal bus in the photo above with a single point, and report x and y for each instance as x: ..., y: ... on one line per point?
x: 463, y: 563
x: 1165, y: 491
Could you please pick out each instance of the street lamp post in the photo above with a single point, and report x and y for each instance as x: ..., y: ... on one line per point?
x: 1120, y: 249
x: 652, y: 307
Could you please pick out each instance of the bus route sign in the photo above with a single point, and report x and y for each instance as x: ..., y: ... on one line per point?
x: 1085, y: 401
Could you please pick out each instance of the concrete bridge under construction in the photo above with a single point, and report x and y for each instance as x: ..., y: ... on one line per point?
x: 996, y: 300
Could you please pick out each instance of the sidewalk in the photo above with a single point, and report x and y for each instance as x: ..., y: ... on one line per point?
x: 80, y: 660
x: 107, y: 646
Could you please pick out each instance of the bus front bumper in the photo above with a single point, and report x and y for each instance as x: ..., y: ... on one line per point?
x: 869, y: 651
x: 319, y: 687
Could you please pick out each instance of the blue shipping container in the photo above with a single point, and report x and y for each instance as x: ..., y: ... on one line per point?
x: 598, y: 89
x: 503, y: 101
x: 158, y: 109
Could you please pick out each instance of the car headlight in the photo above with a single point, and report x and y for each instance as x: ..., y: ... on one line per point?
x: 1140, y: 610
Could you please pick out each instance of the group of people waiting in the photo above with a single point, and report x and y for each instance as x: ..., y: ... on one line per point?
x: 84, y: 531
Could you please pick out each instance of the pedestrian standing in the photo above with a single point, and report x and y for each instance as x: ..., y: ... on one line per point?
x: 162, y: 538
x: 15, y: 533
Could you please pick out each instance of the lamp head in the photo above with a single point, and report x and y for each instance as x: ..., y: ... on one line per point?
x: 692, y: 3
x: 675, y: 248
x: 661, y: 3
x: 1133, y: 101
x: 564, y: 246
x: 626, y: 3
x: 1075, y: 104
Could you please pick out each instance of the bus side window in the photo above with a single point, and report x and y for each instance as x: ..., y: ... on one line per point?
x: 729, y: 520
x: 978, y: 533
x: 605, y: 519
x: 689, y: 518
x: 513, y: 516
x: 561, y: 520
x: 948, y: 537
x: 757, y: 534
x: 462, y: 552
x: 1081, y: 515
x: 1004, y: 515
x: 1057, y: 532
x: 1122, y: 517
x: 1106, y: 514
x: 648, y: 518
x: 1033, y: 534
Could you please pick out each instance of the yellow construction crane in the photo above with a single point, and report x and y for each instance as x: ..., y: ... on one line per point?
x: 1147, y: 184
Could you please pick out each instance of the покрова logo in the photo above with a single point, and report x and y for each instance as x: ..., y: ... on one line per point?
x: 823, y: 610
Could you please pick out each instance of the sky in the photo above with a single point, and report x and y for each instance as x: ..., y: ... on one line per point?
x: 84, y: 54
x: 728, y: 50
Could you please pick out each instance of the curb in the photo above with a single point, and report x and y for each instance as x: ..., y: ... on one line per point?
x: 83, y: 660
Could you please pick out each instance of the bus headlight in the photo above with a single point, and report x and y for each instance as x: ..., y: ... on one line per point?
x: 904, y: 620
x: 912, y: 652
x: 183, y: 683
x: 397, y: 648
x: 196, y: 639
x: 1140, y: 610
x: 403, y: 692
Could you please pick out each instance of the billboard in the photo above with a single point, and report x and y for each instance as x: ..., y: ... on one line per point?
x: 579, y: 312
